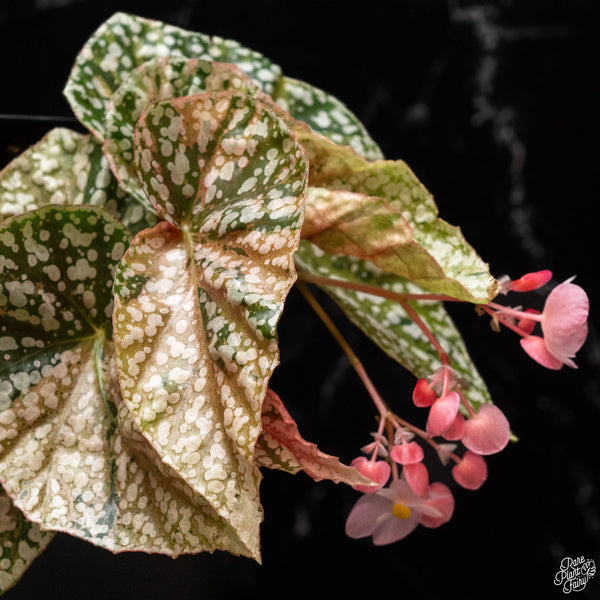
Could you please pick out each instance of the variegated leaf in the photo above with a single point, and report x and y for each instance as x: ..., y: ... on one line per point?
x: 197, y: 304
x: 221, y: 162
x: 125, y: 42
x: 386, y: 322
x: 281, y: 446
x: 21, y: 542
x: 437, y: 258
x: 160, y: 79
x: 65, y: 167
x: 70, y: 455
x: 325, y: 114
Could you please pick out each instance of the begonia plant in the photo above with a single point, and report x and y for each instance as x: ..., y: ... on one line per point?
x: 143, y: 271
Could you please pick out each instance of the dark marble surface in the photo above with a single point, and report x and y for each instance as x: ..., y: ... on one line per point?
x: 495, y: 107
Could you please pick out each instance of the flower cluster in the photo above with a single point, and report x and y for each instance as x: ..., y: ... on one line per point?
x: 563, y: 320
x: 388, y: 513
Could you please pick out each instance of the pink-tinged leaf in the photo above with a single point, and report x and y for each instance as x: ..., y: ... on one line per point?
x: 160, y: 79
x: 282, y: 447
x: 197, y: 302
x: 430, y: 253
x: 71, y: 457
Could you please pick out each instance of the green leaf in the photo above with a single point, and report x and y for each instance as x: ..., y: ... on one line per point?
x: 386, y: 322
x: 159, y: 79
x: 326, y: 115
x: 437, y: 258
x: 21, y: 542
x: 125, y: 42
x: 218, y: 163
x: 281, y: 446
x: 70, y: 455
x: 197, y: 303
x: 65, y: 167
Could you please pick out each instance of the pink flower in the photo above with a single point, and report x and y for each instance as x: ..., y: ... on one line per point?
x: 392, y: 513
x: 423, y: 394
x: 406, y: 454
x: 417, y: 477
x: 442, y: 413
x: 487, y: 431
x: 376, y: 470
x: 564, y: 324
x: 531, y: 281
x: 471, y: 471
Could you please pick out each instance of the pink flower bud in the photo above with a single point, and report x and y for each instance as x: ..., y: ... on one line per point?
x: 486, y: 432
x: 471, y: 471
x: 527, y: 325
x: 531, y: 281
x: 423, y: 394
x: 417, y: 478
x: 378, y: 471
x: 442, y: 413
x: 406, y: 454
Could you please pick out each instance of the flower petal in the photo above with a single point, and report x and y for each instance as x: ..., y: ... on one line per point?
x: 531, y: 281
x: 442, y: 413
x: 423, y: 394
x: 367, y: 514
x: 378, y: 471
x: 406, y: 454
x: 417, y: 478
x: 391, y: 529
x: 440, y: 498
x: 471, y: 471
x: 536, y: 348
x: 564, y: 321
x: 486, y: 432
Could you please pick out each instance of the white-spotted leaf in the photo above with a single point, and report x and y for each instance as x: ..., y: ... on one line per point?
x: 325, y: 114
x: 70, y: 454
x: 220, y: 162
x: 197, y: 302
x: 435, y: 255
x: 125, y: 42
x: 21, y: 542
x: 160, y: 79
x: 65, y: 167
x: 387, y: 324
x: 281, y: 446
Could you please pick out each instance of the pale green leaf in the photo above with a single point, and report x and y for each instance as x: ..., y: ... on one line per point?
x: 387, y: 324
x: 70, y: 455
x: 437, y: 258
x: 281, y: 446
x: 197, y: 303
x: 65, y: 167
x: 21, y: 542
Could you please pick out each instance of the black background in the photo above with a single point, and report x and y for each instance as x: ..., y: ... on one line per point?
x: 494, y: 105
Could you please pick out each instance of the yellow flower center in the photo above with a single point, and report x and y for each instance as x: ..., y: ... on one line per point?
x: 400, y: 511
